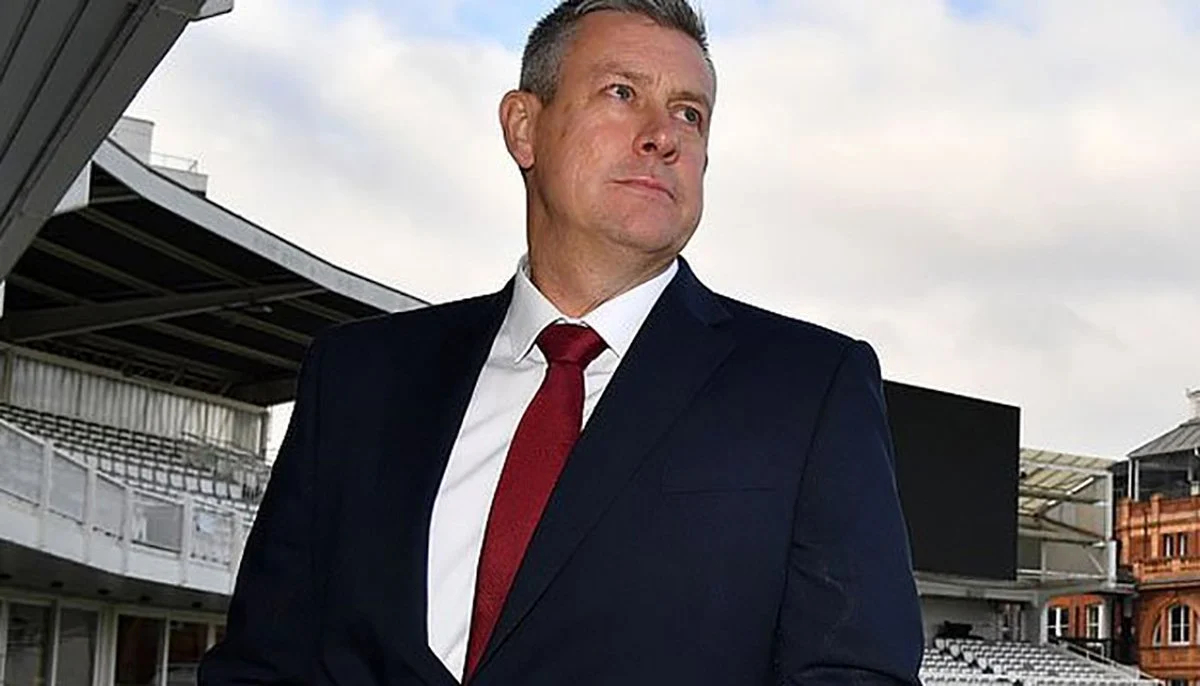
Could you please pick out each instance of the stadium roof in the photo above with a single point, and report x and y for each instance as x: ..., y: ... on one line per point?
x: 68, y: 69
x: 1048, y: 478
x: 146, y: 276
x: 1183, y: 438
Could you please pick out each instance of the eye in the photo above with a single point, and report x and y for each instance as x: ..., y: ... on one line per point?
x: 692, y: 115
x: 621, y: 90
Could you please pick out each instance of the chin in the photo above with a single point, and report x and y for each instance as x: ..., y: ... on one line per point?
x: 650, y: 237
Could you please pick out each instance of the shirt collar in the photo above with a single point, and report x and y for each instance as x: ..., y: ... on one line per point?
x: 617, y: 320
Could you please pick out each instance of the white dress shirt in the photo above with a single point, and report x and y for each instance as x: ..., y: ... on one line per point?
x: 506, y: 385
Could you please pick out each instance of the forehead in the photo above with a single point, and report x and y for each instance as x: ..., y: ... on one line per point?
x: 607, y: 40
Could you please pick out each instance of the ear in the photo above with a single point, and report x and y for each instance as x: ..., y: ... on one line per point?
x: 518, y: 119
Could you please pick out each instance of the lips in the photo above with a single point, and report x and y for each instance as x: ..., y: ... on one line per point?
x: 647, y: 183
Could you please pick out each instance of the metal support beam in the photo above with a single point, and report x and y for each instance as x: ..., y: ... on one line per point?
x: 1094, y: 536
x: 26, y: 326
x: 1061, y: 496
x: 1055, y: 536
x: 171, y: 329
x: 263, y: 392
x: 1028, y: 464
x: 121, y: 277
x: 133, y: 233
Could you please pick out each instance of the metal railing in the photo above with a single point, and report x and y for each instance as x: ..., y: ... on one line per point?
x: 33, y: 470
x: 1071, y: 646
x: 177, y: 162
x: 1114, y: 649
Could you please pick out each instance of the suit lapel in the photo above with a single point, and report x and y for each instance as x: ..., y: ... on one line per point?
x: 433, y: 398
x: 677, y: 349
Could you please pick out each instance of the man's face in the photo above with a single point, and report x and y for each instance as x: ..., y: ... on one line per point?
x: 619, y: 153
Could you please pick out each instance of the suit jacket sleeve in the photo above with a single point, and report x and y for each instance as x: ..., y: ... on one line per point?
x: 272, y: 622
x: 850, y: 614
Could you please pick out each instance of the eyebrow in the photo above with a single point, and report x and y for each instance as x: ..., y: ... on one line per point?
x: 638, y: 77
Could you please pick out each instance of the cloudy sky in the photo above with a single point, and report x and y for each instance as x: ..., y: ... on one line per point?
x: 1003, y: 197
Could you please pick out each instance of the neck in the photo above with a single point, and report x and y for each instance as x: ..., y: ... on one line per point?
x: 576, y: 287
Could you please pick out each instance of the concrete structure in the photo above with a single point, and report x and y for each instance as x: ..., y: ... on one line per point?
x: 145, y: 334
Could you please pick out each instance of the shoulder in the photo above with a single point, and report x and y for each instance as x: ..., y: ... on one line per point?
x: 401, y: 330
x: 797, y: 346
x: 767, y: 326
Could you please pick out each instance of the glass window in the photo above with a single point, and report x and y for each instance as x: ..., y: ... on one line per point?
x: 27, y: 663
x: 139, y: 650
x: 1093, y: 621
x: 185, y: 647
x: 1057, y: 621
x: 1179, y: 625
x: 76, y: 647
x: 1181, y: 545
x: 1168, y: 545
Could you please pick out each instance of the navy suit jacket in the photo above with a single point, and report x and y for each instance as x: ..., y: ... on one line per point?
x: 728, y: 517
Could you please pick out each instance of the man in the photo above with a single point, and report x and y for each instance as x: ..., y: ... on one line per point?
x: 603, y: 474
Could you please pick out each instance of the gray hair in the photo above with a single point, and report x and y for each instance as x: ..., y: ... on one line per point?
x: 548, y: 41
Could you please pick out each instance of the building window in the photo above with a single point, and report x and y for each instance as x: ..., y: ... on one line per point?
x: 1181, y: 545
x: 1179, y: 625
x: 1093, y: 621
x: 1056, y: 622
x: 186, y: 644
x: 1179, y: 682
x: 28, y: 644
x: 77, y: 636
x: 139, y: 651
x: 1168, y: 545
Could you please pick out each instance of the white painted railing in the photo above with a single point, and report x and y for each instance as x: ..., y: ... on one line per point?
x: 56, y: 483
x: 1130, y: 671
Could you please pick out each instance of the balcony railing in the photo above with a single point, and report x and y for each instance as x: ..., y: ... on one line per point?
x: 185, y: 164
x: 1169, y: 566
x: 53, y: 481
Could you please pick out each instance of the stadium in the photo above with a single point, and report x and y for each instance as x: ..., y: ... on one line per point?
x: 146, y: 332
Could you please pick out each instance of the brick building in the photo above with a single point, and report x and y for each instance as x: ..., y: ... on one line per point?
x: 1157, y: 529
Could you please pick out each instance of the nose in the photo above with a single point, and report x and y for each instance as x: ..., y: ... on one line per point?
x: 658, y: 137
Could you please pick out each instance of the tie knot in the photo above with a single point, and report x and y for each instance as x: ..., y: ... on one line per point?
x: 570, y: 344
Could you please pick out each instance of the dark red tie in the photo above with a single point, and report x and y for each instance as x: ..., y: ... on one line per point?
x: 544, y: 436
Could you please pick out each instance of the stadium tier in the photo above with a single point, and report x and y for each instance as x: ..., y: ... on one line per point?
x: 968, y: 661
x: 174, y: 467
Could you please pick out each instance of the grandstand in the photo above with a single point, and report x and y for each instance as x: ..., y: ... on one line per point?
x: 974, y: 661
x: 145, y: 333
x: 176, y: 467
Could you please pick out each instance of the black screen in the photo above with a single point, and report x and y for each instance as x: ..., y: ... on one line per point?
x: 957, y: 462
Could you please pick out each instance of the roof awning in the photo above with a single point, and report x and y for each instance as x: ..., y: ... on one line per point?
x: 147, y: 277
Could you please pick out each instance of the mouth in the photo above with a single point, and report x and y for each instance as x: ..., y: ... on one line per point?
x: 647, y: 183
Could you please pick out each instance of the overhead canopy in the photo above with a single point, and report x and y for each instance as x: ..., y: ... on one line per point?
x: 150, y: 278
x: 1049, y: 478
x: 68, y: 69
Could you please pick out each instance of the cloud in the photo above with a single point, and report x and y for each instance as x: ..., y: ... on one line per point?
x: 1002, y: 200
